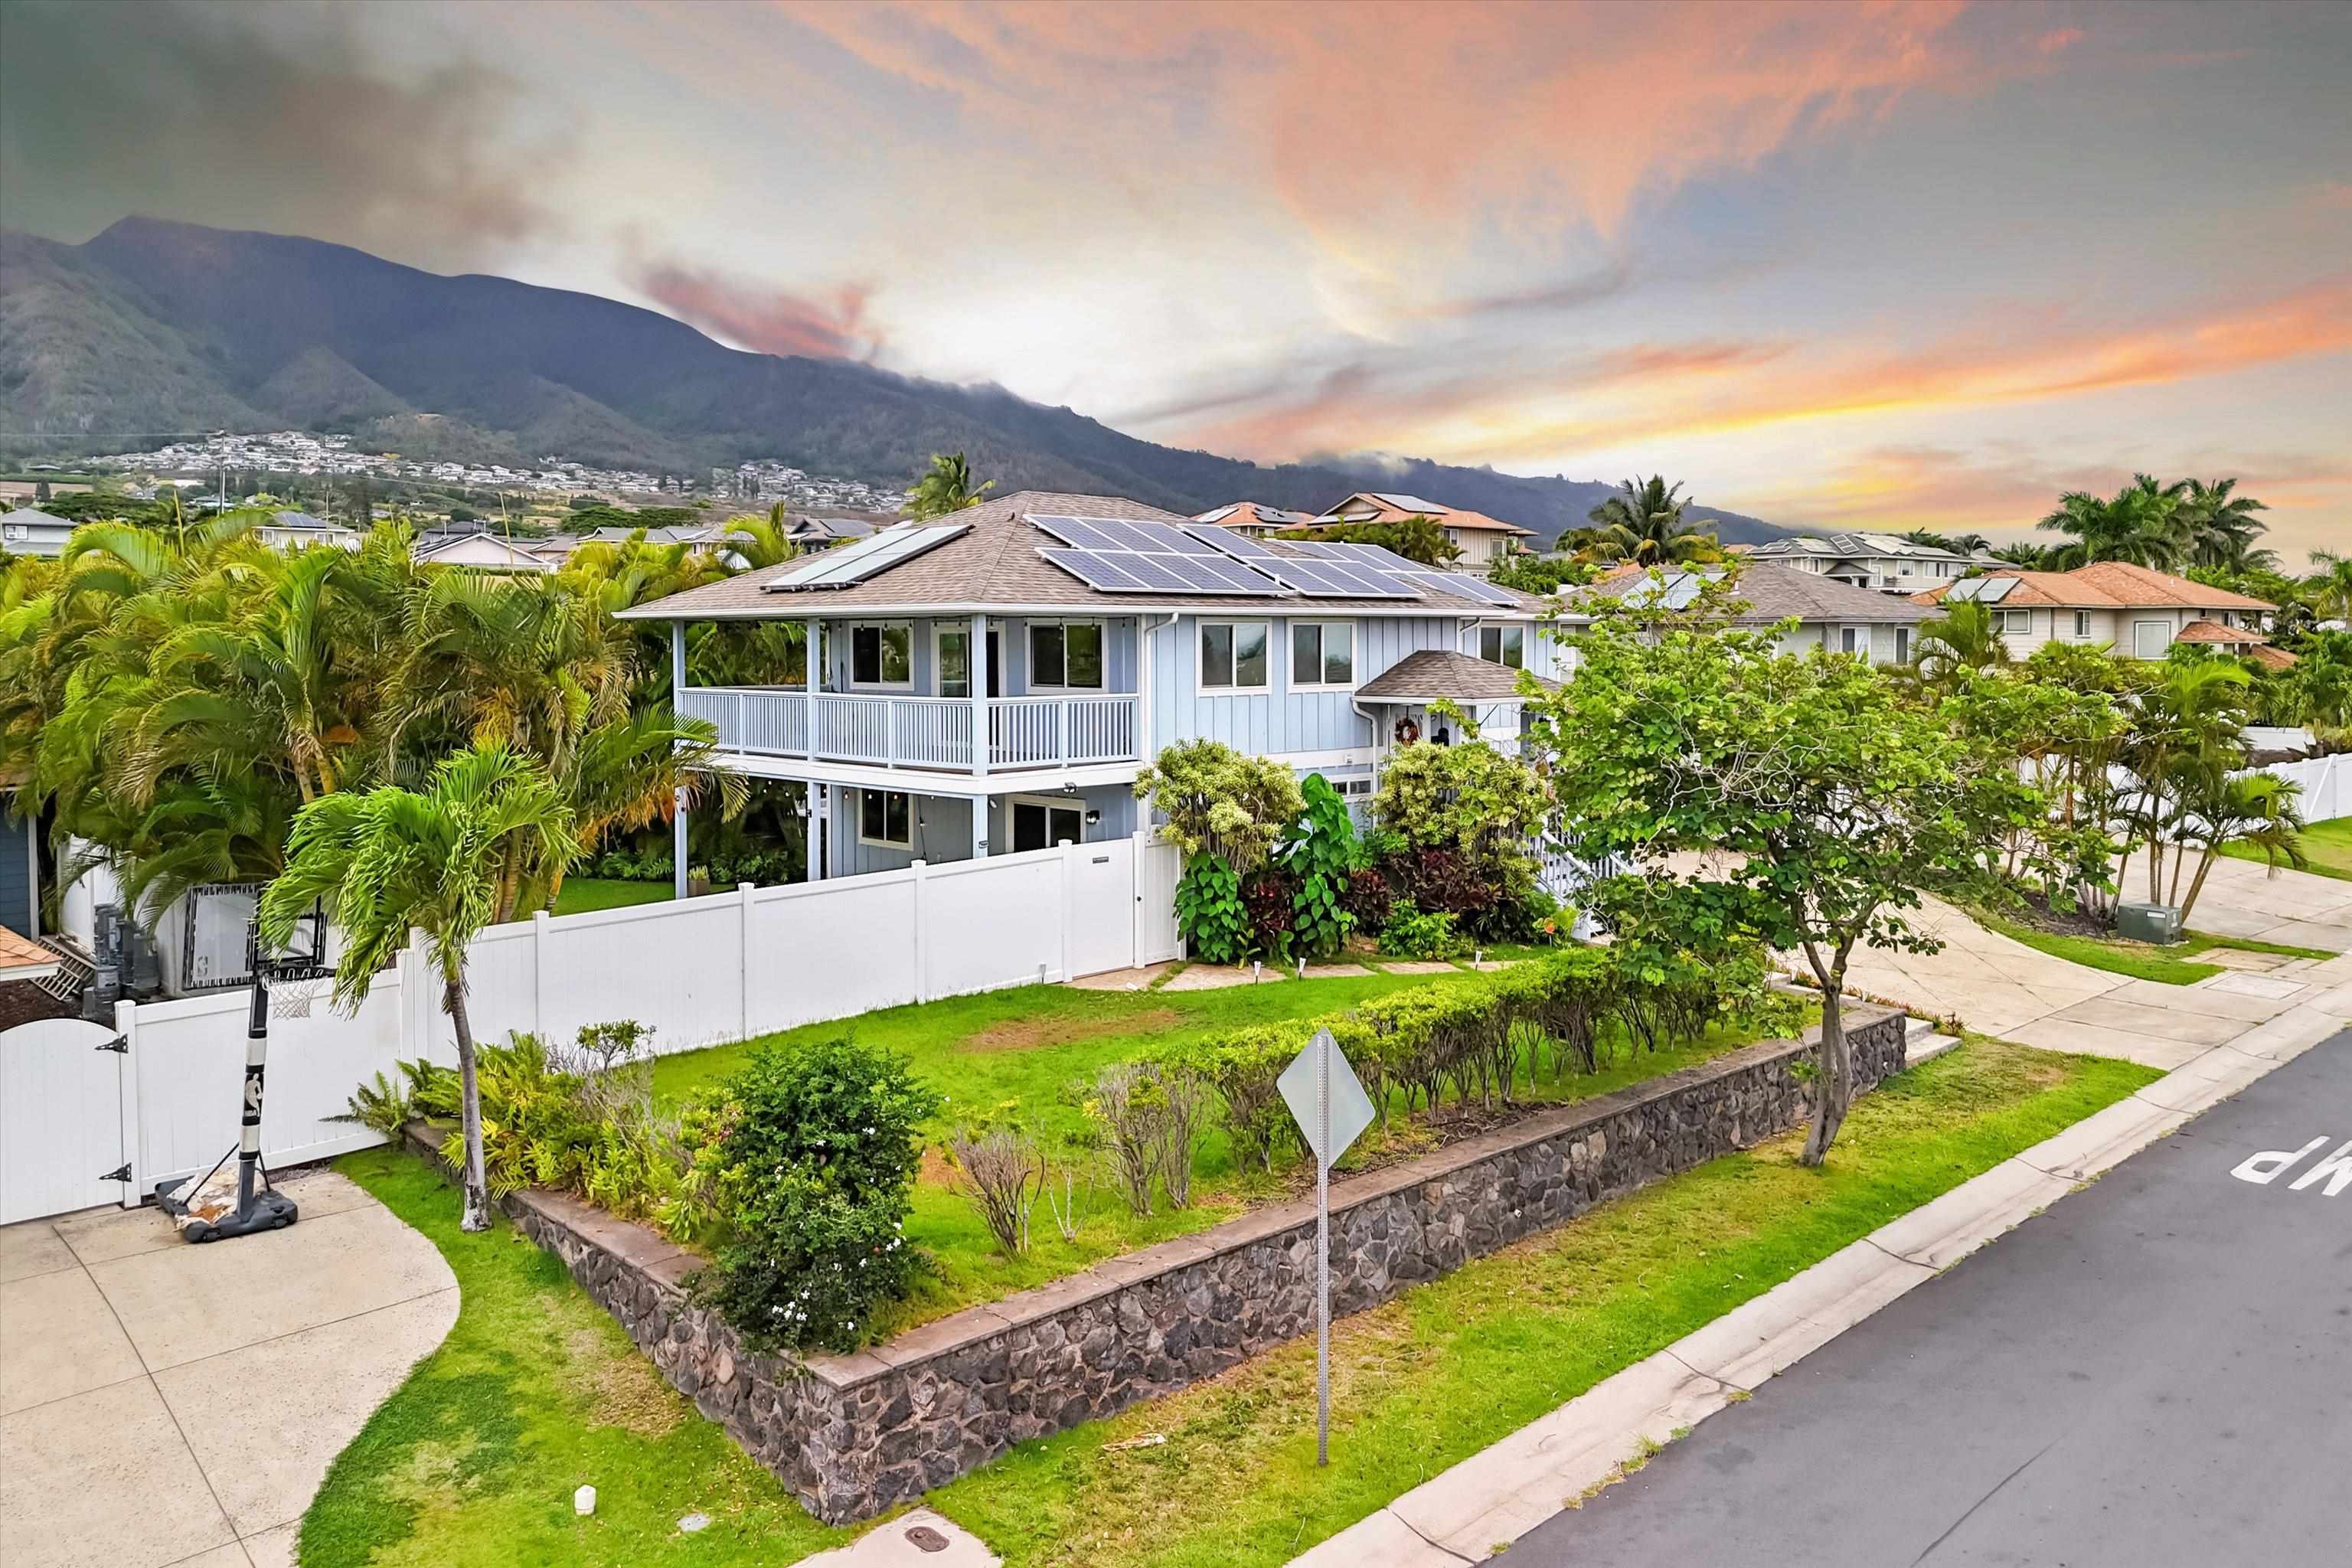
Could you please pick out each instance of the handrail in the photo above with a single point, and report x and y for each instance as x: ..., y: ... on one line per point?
x: 903, y: 729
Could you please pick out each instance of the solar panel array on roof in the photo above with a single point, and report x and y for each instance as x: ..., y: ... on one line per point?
x: 852, y: 563
x: 1240, y: 546
x: 1461, y: 585
x: 1378, y: 555
x: 1134, y: 572
x: 1983, y: 590
x: 1327, y: 579
x: 1113, y: 533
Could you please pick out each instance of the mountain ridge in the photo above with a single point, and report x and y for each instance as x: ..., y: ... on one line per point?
x: 154, y: 327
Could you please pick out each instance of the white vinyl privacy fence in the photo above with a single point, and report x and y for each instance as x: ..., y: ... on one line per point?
x: 709, y: 970
x: 2327, y: 784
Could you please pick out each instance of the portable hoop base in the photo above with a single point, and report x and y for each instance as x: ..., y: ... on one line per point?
x: 207, y: 1214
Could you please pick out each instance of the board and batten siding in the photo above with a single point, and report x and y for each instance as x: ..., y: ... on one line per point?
x: 1278, y: 719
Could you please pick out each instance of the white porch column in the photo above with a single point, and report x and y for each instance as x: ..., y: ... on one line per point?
x: 976, y: 665
x: 678, y: 801
x: 820, y: 812
x: 979, y: 827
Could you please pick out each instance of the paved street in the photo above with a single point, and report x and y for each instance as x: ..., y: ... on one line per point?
x: 2157, y: 1371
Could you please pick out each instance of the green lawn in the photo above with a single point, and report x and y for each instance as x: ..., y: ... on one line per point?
x: 1453, y: 1366
x: 1023, y: 1049
x: 2172, y: 965
x: 580, y: 894
x: 2328, y: 844
x: 472, y: 1462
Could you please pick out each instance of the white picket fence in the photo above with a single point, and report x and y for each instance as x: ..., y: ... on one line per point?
x: 720, y: 968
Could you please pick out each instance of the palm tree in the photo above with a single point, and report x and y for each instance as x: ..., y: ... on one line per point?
x: 2332, y: 589
x: 389, y: 860
x: 2032, y: 556
x: 1643, y: 522
x: 2144, y: 524
x: 2223, y: 526
x: 2191, y: 718
x: 1965, y: 636
x: 2257, y: 810
x: 947, y: 487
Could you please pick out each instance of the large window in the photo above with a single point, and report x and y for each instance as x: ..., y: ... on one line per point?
x: 1065, y: 656
x: 1233, y: 656
x: 881, y: 655
x: 1042, y: 824
x: 1322, y: 653
x: 886, y: 818
x: 1503, y: 645
x: 2018, y: 622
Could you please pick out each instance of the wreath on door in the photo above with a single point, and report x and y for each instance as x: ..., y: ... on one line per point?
x: 1407, y: 731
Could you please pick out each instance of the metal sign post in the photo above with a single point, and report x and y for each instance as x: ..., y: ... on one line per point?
x: 1332, y: 1110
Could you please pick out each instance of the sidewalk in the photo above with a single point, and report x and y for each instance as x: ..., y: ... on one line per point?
x: 2212, y: 1039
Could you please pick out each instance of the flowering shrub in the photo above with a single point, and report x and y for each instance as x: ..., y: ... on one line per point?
x: 810, y: 1153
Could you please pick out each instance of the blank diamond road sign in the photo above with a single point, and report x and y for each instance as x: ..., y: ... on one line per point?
x: 1350, y: 1108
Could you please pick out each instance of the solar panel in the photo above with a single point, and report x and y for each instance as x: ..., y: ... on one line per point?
x: 1131, y: 571
x: 1327, y: 579
x: 1378, y: 555
x: 1240, y: 546
x: 1996, y: 589
x: 1116, y: 533
x: 852, y: 563
x: 1460, y: 584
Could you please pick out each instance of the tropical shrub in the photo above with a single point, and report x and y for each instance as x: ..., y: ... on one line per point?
x: 1476, y: 804
x: 1210, y: 912
x: 810, y: 1153
x: 1413, y: 932
x: 1270, y: 903
x: 1218, y: 802
x: 1318, y: 850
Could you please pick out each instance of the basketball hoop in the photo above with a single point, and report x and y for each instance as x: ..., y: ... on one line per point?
x: 294, y: 998
x: 296, y: 975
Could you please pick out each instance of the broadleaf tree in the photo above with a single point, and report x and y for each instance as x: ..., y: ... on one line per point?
x: 1752, y: 791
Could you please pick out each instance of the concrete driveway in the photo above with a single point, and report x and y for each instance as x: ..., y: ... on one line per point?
x: 162, y: 1404
x: 2003, y: 987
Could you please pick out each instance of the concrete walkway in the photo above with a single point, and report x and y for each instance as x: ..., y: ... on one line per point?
x: 2246, y: 900
x: 1995, y: 985
x: 164, y: 1404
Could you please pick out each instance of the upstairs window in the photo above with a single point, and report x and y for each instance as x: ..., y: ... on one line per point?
x: 880, y: 655
x: 1505, y: 646
x: 1065, y: 656
x: 1233, y: 656
x: 1322, y: 653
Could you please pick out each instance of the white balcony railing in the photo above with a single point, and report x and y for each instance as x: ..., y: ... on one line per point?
x: 916, y: 732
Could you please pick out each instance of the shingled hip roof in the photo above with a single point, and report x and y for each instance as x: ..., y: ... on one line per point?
x: 1434, y: 673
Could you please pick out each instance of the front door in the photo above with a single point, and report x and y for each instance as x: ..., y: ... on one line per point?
x: 1041, y: 824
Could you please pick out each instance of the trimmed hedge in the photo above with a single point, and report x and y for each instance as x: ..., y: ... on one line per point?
x: 1474, y: 1038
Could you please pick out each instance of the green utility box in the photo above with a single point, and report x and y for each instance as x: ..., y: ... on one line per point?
x: 2158, y: 923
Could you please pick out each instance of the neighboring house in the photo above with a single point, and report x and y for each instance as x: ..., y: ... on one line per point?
x: 1829, y: 612
x: 30, y: 531
x: 1255, y: 517
x: 824, y: 533
x: 289, y: 530
x: 1076, y: 647
x: 484, y: 552
x: 1882, y: 561
x: 2138, y: 611
x: 1481, y: 539
x: 20, y: 867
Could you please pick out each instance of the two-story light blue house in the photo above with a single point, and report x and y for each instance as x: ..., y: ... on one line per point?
x: 994, y: 682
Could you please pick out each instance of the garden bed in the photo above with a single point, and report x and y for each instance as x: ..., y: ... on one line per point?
x: 852, y: 1435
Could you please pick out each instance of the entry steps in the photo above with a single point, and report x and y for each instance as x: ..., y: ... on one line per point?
x: 1921, y: 1042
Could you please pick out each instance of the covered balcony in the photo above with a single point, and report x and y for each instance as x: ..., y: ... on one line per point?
x: 934, y: 732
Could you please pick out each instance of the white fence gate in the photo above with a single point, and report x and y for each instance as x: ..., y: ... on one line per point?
x: 2326, y: 785
x: 701, y: 973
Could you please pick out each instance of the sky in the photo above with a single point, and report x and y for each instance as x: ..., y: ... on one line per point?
x: 1906, y: 263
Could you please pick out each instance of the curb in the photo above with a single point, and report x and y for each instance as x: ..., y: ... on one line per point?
x: 1496, y: 1496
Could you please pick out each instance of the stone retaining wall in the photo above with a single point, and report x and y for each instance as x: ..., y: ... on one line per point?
x: 854, y: 1434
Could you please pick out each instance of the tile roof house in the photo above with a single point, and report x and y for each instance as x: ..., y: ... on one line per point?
x: 1829, y: 612
x: 1480, y: 537
x: 993, y: 680
x: 2136, y: 610
x: 1886, y: 561
x: 1255, y: 517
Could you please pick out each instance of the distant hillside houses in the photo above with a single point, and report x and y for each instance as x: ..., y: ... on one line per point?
x: 1886, y: 561
x: 1482, y: 540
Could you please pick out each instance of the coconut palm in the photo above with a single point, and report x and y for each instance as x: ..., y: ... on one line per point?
x: 947, y: 486
x: 2031, y: 556
x: 389, y: 860
x: 2222, y: 527
x: 1643, y: 522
